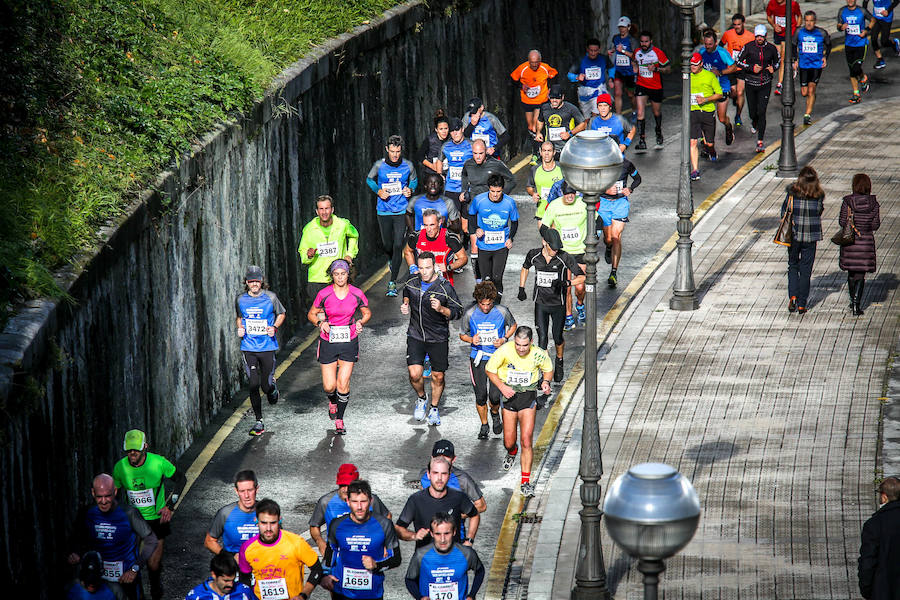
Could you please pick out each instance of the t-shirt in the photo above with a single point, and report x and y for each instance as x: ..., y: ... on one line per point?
x: 444, y: 205
x: 340, y: 312
x: 734, y: 41
x: 350, y: 541
x: 855, y: 19
x: 458, y: 480
x: 548, y: 271
x: 392, y: 179
x: 541, y: 181
x: 704, y: 84
x: 443, y: 246
x: 645, y: 77
x: 455, y: 156
x: 521, y: 373
x: 494, y: 219
x: 622, y: 62
x: 143, y: 485
x: 115, y: 535
x: 277, y: 567
x: 490, y: 326
x: 720, y: 60
x: 779, y: 13
x: 205, y: 592
x: 257, y: 313
x: 444, y: 575
x: 571, y: 222
x: 233, y: 527
x: 421, y: 506
x: 77, y: 592
x: 559, y: 120
x: 812, y: 47
x: 596, y: 72
x: 338, y: 240
x: 613, y: 125
x: 535, y: 81
x: 330, y: 507
x: 878, y: 6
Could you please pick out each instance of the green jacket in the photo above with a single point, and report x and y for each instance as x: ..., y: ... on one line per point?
x: 338, y: 241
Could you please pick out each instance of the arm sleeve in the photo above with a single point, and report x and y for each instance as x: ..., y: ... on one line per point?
x: 513, y: 227
x: 407, y: 514
x: 468, y: 486
x: 452, y: 211
x: 412, y: 586
x: 454, y: 243
x: 304, y: 246
x: 794, y: 39
x: 499, y: 127
x: 391, y: 544
x: 502, y: 140
x: 509, y: 178
x: 531, y: 173
x: 473, y: 223
x: 826, y: 40
x: 475, y: 565
x: 142, y: 529
x: 572, y: 266
x: 217, y: 527
x: 508, y: 318
x: 373, y: 174
x: 315, y: 572
x: 635, y: 177
x: 278, y: 307
x: 378, y: 506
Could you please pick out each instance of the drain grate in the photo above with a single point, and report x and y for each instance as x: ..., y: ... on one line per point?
x: 530, y: 518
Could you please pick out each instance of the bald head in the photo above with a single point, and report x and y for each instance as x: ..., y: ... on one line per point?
x: 479, y: 151
x: 104, y: 491
x: 534, y: 56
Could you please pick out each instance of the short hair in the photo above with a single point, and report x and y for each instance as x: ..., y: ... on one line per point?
x: 438, y: 460
x: 223, y: 563
x: 426, y: 255
x: 524, y: 331
x: 536, y: 51
x: 810, y: 13
x: 360, y: 486
x: 593, y: 42
x: 267, y: 506
x: 431, y: 212
x: 738, y: 17
x: 395, y: 140
x: 440, y: 518
x: 246, y: 475
x: 548, y: 142
x: 862, y: 184
x: 709, y: 33
x: 890, y: 487
x: 486, y: 290
x: 645, y: 33
x: 432, y: 175
x: 496, y: 180
x: 325, y: 198
x: 479, y: 142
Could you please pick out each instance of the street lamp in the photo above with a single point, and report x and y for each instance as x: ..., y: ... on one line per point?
x: 591, y: 162
x: 787, y: 157
x: 652, y: 512
x: 684, y: 292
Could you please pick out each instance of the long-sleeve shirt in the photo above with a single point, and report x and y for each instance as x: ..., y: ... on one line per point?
x: 753, y: 54
x: 475, y: 176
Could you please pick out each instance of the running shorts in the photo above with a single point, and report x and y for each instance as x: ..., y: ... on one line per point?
x: 438, y: 353
x: 521, y: 401
x: 615, y: 210
x: 808, y: 76
x: 703, y: 124
x: 329, y: 352
x: 654, y: 95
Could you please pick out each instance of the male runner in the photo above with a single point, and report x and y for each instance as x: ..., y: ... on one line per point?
x: 717, y: 61
x: 812, y: 46
x: 459, y: 479
x: 447, y: 248
x: 493, y: 221
x: 454, y: 154
x: 486, y: 325
x: 568, y: 215
x: 591, y: 72
x: 650, y: 62
x: 883, y: 13
x: 439, y: 570
x: 259, y: 315
x: 705, y: 93
x: 734, y: 41
x: 852, y: 21
x: 621, y: 51
x: 533, y: 77
x: 485, y: 126
x: 612, y: 124
x: 612, y: 212
x: 235, y: 523
x: 222, y: 584
x: 324, y: 239
x: 433, y: 199
x: 393, y: 179
x: 431, y: 303
x: 758, y: 60
x: 542, y: 177
x: 556, y: 120
x: 776, y: 15
x: 142, y: 476
x: 90, y: 585
x: 276, y: 559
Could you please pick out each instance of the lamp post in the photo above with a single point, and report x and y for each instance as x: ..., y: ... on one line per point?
x: 787, y: 156
x: 684, y: 292
x: 591, y: 162
x: 652, y: 512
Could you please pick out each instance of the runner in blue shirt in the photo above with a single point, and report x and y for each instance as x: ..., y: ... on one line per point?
x: 455, y: 152
x: 492, y: 229
x: 222, y: 583
x: 90, y: 584
x: 432, y: 198
x: 235, y: 523
x: 812, y: 46
x: 718, y: 61
x: 592, y: 72
x: 485, y: 126
x: 883, y: 13
x: 852, y: 21
x: 259, y: 315
x: 611, y: 124
x: 621, y: 52
x: 440, y: 569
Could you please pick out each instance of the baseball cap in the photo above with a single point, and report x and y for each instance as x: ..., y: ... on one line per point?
x: 551, y: 236
x: 760, y: 30
x: 696, y: 59
x: 443, y: 448
x: 254, y: 273
x: 91, y: 569
x: 624, y: 22
x: 556, y: 91
x: 456, y: 124
x: 604, y: 98
x: 474, y: 104
x: 347, y: 474
x: 134, y: 440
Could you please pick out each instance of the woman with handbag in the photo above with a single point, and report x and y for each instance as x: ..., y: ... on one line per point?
x: 860, y: 211
x: 805, y: 200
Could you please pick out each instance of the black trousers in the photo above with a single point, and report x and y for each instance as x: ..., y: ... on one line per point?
x: 800, y: 263
x: 542, y: 316
x: 492, y: 264
x: 757, y: 103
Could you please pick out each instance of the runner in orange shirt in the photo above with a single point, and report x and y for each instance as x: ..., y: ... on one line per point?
x: 734, y: 40
x: 534, y: 78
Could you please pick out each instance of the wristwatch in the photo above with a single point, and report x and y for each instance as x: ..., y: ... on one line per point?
x: 470, y: 540
x: 136, y: 568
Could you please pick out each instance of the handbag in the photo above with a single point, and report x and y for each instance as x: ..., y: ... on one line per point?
x: 847, y: 234
x: 785, y: 233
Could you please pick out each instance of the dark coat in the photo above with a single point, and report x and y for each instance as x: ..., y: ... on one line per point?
x: 879, y: 554
x: 860, y: 255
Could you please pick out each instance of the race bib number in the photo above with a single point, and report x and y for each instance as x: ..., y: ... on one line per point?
x: 143, y: 498
x: 338, y: 334
x: 570, y: 234
x: 356, y: 579
x: 483, y: 137
x: 533, y: 92
x: 393, y: 187
x: 112, y: 570
x: 252, y: 327
x: 495, y: 237
x: 454, y: 172
x: 593, y: 73
x: 514, y: 377
x: 555, y: 133
x: 327, y: 249
x: 695, y: 99
x: 622, y: 61
x: 853, y: 29
x: 273, y: 589
x: 544, y: 193
x: 620, y: 185
x: 443, y: 591
x: 781, y: 21
x: 735, y: 54
x: 809, y: 48
x: 546, y: 278
x: 487, y: 336
x: 645, y: 72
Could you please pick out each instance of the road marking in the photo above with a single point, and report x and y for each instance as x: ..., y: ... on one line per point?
x: 518, y: 166
x: 193, y: 472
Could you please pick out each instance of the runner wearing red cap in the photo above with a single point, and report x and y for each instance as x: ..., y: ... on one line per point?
x: 612, y: 124
x: 705, y: 92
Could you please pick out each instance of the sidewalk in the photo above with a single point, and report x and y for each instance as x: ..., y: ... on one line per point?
x: 774, y: 417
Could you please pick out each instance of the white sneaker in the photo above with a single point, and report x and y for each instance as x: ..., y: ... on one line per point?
x: 434, y: 417
x: 527, y: 489
x: 419, y: 413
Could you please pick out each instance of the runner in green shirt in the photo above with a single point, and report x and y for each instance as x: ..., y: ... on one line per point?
x: 568, y: 215
x: 705, y: 91
x: 542, y: 178
x: 324, y: 240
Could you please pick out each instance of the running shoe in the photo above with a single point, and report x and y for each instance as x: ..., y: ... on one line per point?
x: 737, y: 121
x: 807, y: 119
x: 659, y: 140
x: 483, y: 432
x: 391, y: 290
x: 695, y: 175
x: 879, y: 64
x: 641, y: 145
x: 608, y: 255
x: 496, y: 423
x: 534, y: 159
x: 711, y: 153
x: 580, y: 311
x: 778, y: 89
x: 510, y: 459
x: 753, y: 128
x: 558, y: 369
x: 855, y: 98
x: 427, y: 370
x: 896, y: 43
x: 570, y: 323
x: 864, y: 83
x: 419, y: 413
x: 760, y: 147
x: 527, y: 489
x: 339, y: 428
x: 434, y: 417
x: 258, y: 429
x: 273, y: 396
x: 611, y: 280
x: 729, y: 134
x: 332, y: 410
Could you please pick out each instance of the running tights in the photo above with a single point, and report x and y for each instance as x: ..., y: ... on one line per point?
x: 260, y: 369
x: 393, y: 234
x: 757, y: 103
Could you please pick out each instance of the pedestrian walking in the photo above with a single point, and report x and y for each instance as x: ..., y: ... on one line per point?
x: 858, y: 258
x: 805, y: 198
x: 879, y: 553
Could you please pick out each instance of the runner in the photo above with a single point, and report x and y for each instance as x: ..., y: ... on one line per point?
x: 516, y: 368
x: 90, y: 584
x: 440, y: 569
x: 534, y: 78
x: 852, y: 21
x: 717, y: 61
x: 437, y: 497
x: 758, y: 60
x: 118, y: 533
x: 734, y: 41
x: 567, y: 214
x: 552, y: 266
x: 650, y: 62
x: 494, y: 219
x: 222, y: 584
x: 336, y: 503
x: 454, y: 154
x: 705, y: 93
x: 486, y: 325
x: 324, y: 239
x: 259, y: 315
x: 428, y: 156
x: 446, y: 246
x: 334, y: 313
x: 776, y: 15
x: 612, y: 211
x: 459, y: 479
x: 542, y: 177
x: 622, y: 47
x: 434, y: 199
x: 393, y: 179
x: 556, y: 120
x: 812, y: 47
x: 431, y: 303
x: 485, y: 126
x: 611, y: 124
x: 142, y: 475
x: 276, y: 558
x: 235, y: 523
x: 592, y: 72
x: 883, y: 13
x: 361, y: 546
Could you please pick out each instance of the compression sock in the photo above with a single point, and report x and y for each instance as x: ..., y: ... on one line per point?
x: 658, y: 123
x: 641, y: 127
x: 156, y: 589
x: 514, y: 451
x: 526, y: 477
x: 342, y: 400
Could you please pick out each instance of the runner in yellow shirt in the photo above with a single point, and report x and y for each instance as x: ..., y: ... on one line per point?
x: 705, y: 92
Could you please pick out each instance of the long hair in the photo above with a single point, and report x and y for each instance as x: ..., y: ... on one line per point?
x: 807, y: 184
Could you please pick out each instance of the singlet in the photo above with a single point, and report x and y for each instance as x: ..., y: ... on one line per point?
x: 521, y: 373
x: 350, y: 541
x: 734, y: 42
x: 571, y: 222
x: 443, y: 575
x: 779, y: 13
x: 812, y: 47
x: 443, y: 245
x: 257, y: 314
x: 704, y: 84
x: 330, y: 506
x: 277, y: 567
x: 718, y: 59
x: 233, y: 526
x: 340, y: 312
x: 392, y: 179
x: 494, y: 219
x: 542, y: 181
x: 455, y: 156
x: 143, y: 485
x: 645, y: 77
x: 855, y: 19
x: 444, y: 205
x: 622, y: 62
x: 489, y: 326
x: 116, y: 536
x: 205, y: 592
x: 535, y: 82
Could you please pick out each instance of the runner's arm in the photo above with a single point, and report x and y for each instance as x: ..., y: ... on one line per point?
x: 390, y: 562
x: 477, y: 580
x: 513, y: 228
x: 316, y: 534
x: 412, y: 586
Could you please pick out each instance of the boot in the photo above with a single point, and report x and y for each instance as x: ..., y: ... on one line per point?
x: 851, y: 289
x: 857, y: 298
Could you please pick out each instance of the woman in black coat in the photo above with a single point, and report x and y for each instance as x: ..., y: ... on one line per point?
x: 859, y: 257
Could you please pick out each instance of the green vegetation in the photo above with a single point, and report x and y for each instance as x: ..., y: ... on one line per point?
x: 98, y: 95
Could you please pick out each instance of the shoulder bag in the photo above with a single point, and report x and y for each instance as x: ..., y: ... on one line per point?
x: 785, y: 233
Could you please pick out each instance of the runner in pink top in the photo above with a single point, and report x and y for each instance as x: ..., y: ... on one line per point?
x: 334, y: 313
